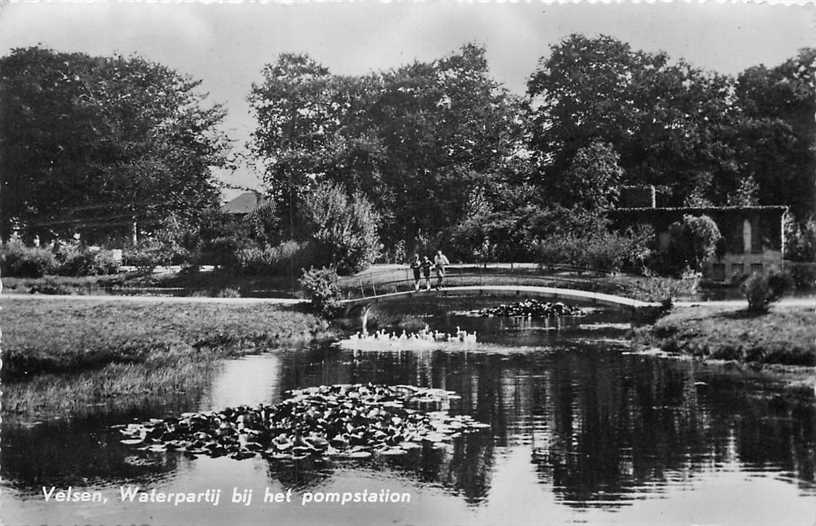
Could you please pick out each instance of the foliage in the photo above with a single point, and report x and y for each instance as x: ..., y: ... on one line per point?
x: 592, y: 180
x: 151, y: 253
x: 662, y: 289
x: 275, y: 260
x: 412, y: 140
x: 692, y: 242
x: 344, y: 229
x: 84, y: 261
x: 26, y: 262
x: 500, y: 235
x: 222, y: 251
x: 669, y: 121
x: 762, y: 289
x: 778, y: 141
x: 746, y: 193
x: 96, y: 143
x: 321, y: 285
x: 600, y: 250
x: 582, y: 238
x: 800, y: 240
x: 803, y: 275
x: 264, y: 224
x: 699, y: 137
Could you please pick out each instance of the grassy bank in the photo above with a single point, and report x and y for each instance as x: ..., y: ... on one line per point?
x: 785, y: 335
x: 60, y: 356
x: 191, y: 283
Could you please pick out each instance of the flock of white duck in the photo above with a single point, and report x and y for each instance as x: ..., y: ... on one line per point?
x: 424, y: 338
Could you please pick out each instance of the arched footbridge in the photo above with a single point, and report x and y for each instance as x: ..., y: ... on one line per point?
x: 527, y: 291
x: 525, y: 281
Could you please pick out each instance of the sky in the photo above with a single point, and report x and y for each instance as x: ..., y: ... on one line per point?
x: 227, y: 44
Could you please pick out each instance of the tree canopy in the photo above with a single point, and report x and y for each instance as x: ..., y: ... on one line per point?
x: 96, y: 144
x: 700, y: 137
x: 414, y: 140
x: 431, y: 151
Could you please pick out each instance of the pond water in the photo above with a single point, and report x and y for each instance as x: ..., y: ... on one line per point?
x: 581, y: 432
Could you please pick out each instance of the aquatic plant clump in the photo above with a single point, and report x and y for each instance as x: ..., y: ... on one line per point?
x: 532, y: 309
x: 335, y: 421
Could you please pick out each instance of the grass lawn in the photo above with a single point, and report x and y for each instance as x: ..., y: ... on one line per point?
x: 203, y: 283
x: 785, y: 335
x: 60, y: 356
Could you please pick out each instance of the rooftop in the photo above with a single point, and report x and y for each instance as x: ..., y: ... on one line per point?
x: 244, y: 203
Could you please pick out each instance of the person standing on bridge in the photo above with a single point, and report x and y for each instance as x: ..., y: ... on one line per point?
x: 416, y: 266
x: 426, y: 272
x: 440, y: 262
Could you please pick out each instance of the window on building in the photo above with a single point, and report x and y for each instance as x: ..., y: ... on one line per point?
x: 747, y: 235
x: 718, y: 272
x: 756, y: 236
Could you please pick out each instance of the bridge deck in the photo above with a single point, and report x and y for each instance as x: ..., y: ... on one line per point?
x: 594, y: 298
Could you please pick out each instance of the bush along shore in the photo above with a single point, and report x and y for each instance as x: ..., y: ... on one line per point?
x: 61, y: 358
x: 783, y: 335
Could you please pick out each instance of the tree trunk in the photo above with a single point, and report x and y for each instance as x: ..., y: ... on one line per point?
x: 134, y: 232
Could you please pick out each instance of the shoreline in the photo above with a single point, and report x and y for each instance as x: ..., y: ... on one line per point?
x: 68, y: 358
x: 785, y: 336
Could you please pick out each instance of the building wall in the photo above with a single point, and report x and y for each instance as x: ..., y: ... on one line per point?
x: 753, y: 237
x: 730, y: 266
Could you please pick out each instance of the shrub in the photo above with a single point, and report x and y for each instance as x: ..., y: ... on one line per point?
x: 664, y: 290
x: 228, y: 292
x: 344, y: 229
x: 152, y: 253
x: 222, y: 252
x: 87, y: 262
x: 600, y: 250
x: 275, y: 260
x: 26, y: 262
x: 800, y: 240
x: 803, y: 275
x: 321, y: 285
x: 692, y: 242
x: 762, y: 289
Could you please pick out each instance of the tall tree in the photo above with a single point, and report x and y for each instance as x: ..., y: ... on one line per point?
x: 448, y: 127
x: 414, y: 140
x: 778, y: 136
x: 99, y: 143
x: 668, y: 120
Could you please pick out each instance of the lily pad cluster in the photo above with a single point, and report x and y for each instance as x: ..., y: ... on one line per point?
x: 532, y: 308
x: 331, y: 421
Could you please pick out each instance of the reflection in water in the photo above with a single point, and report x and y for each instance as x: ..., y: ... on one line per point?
x: 576, y: 427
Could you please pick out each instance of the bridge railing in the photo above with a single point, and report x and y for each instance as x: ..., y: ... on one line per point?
x: 377, y: 283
